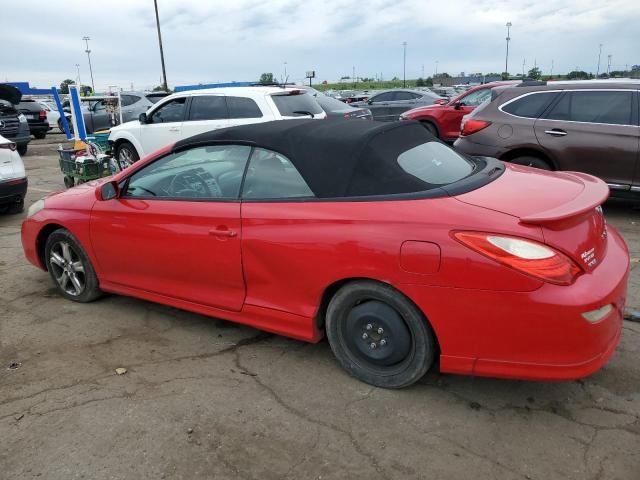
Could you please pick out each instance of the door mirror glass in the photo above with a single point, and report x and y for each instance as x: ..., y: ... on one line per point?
x: 142, y: 118
x: 458, y: 105
x: 108, y: 191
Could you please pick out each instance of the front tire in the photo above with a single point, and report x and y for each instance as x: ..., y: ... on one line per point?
x: 431, y: 128
x: 70, y: 268
x: 40, y: 135
x: 378, y: 335
x: 126, y: 155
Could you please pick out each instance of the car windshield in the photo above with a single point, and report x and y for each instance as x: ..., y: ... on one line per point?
x: 435, y: 163
x: 296, y: 105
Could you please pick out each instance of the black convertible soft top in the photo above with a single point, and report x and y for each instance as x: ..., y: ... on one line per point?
x: 337, y: 158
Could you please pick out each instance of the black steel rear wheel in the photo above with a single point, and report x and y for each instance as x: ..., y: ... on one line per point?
x: 378, y: 335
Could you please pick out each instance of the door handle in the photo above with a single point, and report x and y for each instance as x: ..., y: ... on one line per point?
x: 556, y: 132
x: 223, y: 232
x: 174, y: 129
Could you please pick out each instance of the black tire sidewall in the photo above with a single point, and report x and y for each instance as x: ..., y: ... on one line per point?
x: 92, y: 289
x: 423, y: 338
x: 534, y: 162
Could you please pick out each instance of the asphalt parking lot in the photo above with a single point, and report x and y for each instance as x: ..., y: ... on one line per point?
x: 204, y: 398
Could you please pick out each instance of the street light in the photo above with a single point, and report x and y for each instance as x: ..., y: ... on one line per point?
x: 86, y: 40
x: 609, y: 63
x: 506, y: 58
x: 285, y: 73
x: 599, y: 54
x: 164, y: 72
x: 404, y: 64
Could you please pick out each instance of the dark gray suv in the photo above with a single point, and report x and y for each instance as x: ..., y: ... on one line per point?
x: 588, y: 126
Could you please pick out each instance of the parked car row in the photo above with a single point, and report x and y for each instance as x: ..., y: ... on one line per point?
x: 591, y: 127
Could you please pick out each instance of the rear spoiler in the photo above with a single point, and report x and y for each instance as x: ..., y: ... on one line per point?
x: 594, y: 193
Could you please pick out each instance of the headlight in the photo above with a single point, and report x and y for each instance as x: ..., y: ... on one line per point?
x: 22, y: 118
x: 35, y: 208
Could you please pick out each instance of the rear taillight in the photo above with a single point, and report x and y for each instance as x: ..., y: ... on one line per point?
x: 42, y: 114
x: 471, y: 126
x: 9, y: 146
x: 526, y: 256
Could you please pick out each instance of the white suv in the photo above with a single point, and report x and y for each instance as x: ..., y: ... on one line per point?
x: 189, y: 113
x: 13, y: 179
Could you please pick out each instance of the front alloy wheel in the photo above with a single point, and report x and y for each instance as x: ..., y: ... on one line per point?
x: 70, y: 267
x: 67, y: 268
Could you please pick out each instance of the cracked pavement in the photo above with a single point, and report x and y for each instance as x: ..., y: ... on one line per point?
x: 203, y: 398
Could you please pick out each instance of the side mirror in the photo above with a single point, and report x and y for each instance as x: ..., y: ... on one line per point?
x: 142, y: 118
x: 458, y: 105
x: 108, y: 190
x: 369, y: 102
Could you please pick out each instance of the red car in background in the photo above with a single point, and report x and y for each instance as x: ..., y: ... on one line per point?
x: 443, y: 121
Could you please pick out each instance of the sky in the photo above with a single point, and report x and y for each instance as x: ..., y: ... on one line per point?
x: 208, y: 41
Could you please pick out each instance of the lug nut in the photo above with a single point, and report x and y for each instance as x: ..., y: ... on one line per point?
x: 373, y: 345
x: 369, y: 326
x: 383, y: 342
x: 380, y: 331
x: 365, y: 336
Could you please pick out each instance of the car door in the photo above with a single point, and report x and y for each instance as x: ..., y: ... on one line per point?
x: 163, y: 125
x: 130, y: 108
x: 100, y: 117
x: 400, y: 103
x: 593, y: 131
x: 206, y: 113
x: 175, y: 228
x: 452, y: 114
x: 379, y: 106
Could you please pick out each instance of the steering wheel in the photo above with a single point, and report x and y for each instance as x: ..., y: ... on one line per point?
x: 181, y: 186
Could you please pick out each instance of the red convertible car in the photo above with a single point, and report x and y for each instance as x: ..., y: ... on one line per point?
x: 398, y: 249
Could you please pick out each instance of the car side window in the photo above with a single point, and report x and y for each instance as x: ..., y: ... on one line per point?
x: 242, y: 107
x: 172, y: 111
x: 612, y: 107
x: 128, y: 100
x: 272, y: 176
x: 404, y: 96
x: 476, y: 98
x: 529, y: 106
x: 208, y: 107
x: 201, y: 173
x: 383, y: 97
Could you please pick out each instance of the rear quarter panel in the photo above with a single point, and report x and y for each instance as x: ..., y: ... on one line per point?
x: 293, y: 251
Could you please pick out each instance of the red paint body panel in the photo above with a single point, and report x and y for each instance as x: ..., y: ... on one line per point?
x: 447, y: 118
x: 272, y: 273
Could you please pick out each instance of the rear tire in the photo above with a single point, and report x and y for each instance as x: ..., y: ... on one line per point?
x: 70, y: 268
x: 534, y: 162
x: 40, y: 135
x: 22, y: 149
x: 431, y: 128
x: 378, y: 335
x: 126, y: 155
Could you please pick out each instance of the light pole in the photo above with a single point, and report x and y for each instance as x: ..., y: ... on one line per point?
x: 285, y: 73
x: 164, y: 72
x: 436, y: 74
x: 78, y: 69
x: 599, y: 54
x: 404, y: 64
x: 506, y: 58
x: 86, y: 40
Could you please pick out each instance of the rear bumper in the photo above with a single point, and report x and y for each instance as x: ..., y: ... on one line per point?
x: 13, y: 191
x: 466, y: 145
x: 37, y: 127
x: 538, y: 335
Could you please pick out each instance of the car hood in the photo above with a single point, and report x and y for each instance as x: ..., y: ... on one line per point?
x: 10, y: 93
x: 126, y: 126
x: 423, y: 109
x: 79, y: 197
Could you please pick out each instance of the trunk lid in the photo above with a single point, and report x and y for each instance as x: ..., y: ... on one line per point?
x: 565, y: 205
